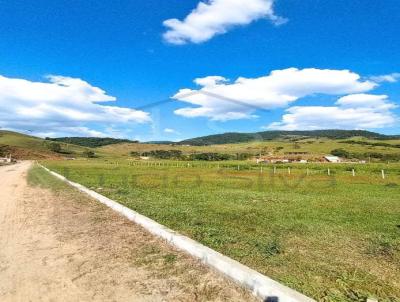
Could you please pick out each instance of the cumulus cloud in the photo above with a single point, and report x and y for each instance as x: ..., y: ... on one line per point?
x: 357, y: 111
x: 62, y: 105
x: 215, y: 17
x: 170, y: 131
x: 220, y: 99
x: 390, y: 78
x: 362, y: 100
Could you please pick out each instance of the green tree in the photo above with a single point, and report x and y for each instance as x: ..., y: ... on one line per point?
x: 89, y: 154
x: 134, y: 154
x: 55, y: 147
x: 341, y: 153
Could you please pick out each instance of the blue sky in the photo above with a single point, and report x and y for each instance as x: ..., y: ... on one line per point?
x: 337, y: 65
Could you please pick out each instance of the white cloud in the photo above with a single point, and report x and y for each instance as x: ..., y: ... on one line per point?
x: 390, y: 78
x: 362, y: 100
x: 218, y: 99
x: 63, y: 105
x: 72, y: 131
x: 216, y: 17
x: 170, y: 131
x: 358, y: 111
x: 210, y: 81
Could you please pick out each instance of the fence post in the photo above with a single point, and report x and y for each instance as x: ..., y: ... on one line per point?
x: 354, y: 172
x: 308, y: 171
x: 274, y: 170
x: 383, y: 174
x: 329, y: 172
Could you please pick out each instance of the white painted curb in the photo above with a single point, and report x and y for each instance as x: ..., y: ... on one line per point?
x: 261, y: 286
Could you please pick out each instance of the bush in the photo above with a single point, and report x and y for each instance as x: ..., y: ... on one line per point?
x: 164, y: 154
x: 341, y: 153
x: 89, y: 154
x: 210, y: 156
x: 55, y: 147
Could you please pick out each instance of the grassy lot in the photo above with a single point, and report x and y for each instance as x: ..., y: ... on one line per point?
x: 334, y: 238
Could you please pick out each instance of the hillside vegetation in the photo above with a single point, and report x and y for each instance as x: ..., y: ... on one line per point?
x: 231, y: 138
x: 366, y: 146
x: 22, y: 146
x: 91, y: 142
x: 307, y: 148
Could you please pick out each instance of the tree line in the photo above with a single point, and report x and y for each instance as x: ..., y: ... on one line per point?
x: 178, y: 155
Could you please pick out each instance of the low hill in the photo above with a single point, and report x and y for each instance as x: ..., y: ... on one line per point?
x: 232, y: 138
x: 307, y: 148
x: 90, y: 142
x: 305, y: 144
x: 22, y: 146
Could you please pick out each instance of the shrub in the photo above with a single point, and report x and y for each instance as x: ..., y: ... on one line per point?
x: 341, y: 153
x: 89, y: 154
x: 164, y: 154
x: 55, y: 147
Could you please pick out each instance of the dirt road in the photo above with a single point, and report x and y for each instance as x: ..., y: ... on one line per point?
x: 63, y: 246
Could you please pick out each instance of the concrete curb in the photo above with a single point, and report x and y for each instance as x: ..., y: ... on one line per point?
x: 260, y: 285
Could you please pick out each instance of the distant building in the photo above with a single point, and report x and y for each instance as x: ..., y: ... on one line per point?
x: 7, y: 159
x: 332, y: 159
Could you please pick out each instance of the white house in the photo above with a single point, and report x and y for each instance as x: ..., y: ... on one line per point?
x: 6, y: 159
x: 332, y: 159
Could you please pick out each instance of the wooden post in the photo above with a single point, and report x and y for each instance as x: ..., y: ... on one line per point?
x: 261, y: 169
x: 288, y: 170
x: 274, y: 170
x: 238, y: 168
x: 308, y: 171
x: 329, y: 172
x: 353, y: 172
x: 383, y: 174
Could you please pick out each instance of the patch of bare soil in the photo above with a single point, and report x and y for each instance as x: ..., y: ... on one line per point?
x: 66, y: 247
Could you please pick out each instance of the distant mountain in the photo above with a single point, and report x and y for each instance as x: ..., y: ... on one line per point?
x: 90, y: 142
x: 233, y: 137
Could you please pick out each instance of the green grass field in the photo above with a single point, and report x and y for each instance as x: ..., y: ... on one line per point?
x: 334, y: 238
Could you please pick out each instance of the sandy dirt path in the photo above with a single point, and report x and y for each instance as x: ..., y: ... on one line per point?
x: 63, y: 246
